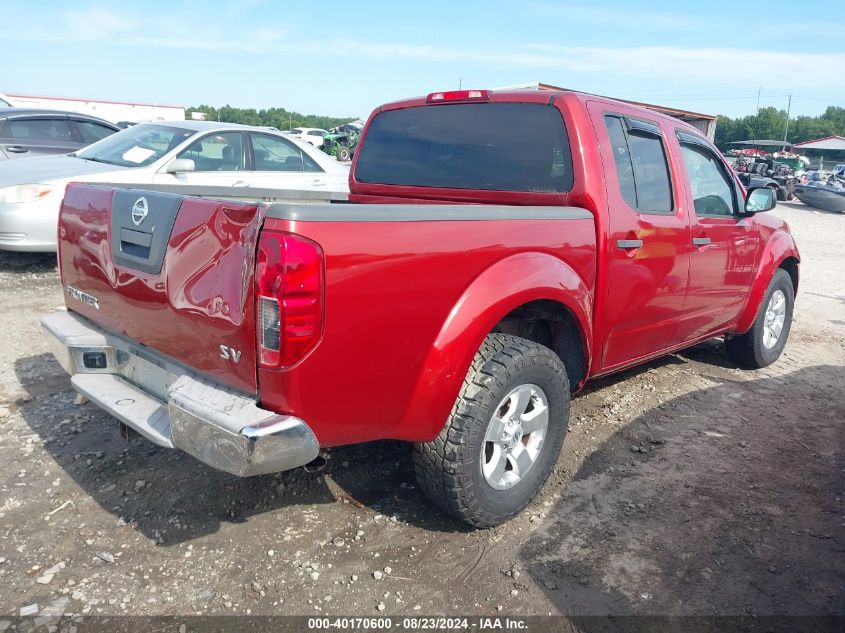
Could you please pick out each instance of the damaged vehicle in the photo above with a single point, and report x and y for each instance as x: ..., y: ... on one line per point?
x: 499, y: 249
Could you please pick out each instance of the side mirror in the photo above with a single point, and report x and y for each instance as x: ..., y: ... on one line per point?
x: 179, y: 165
x: 760, y: 199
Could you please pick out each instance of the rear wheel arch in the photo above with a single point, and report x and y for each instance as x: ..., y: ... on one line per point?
x: 553, y: 325
x: 503, y: 297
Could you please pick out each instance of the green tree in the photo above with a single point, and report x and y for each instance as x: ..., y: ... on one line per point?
x: 272, y: 117
x: 770, y: 122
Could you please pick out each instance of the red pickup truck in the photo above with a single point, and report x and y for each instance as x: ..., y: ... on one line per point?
x: 497, y: 250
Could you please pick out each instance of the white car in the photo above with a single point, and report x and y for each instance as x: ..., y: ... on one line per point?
x: 191, y: 153
x: 313, y: 135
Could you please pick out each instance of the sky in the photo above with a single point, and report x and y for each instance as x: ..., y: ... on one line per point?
x: 346, y: 58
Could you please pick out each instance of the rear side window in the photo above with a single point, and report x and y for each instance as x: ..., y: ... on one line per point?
x: 40, y: 130
x: 272, y: 153
x: 641, y: 165
x: 482, y: 146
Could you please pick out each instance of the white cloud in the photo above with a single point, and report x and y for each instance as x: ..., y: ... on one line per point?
x: 669, y: 65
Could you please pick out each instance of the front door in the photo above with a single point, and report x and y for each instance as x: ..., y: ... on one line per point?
x: 648, y: 237
x: 725, y: 246
x: 219, y: 161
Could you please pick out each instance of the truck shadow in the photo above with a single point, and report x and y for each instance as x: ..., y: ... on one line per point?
x: 173, y: 498
x: 732, y: 510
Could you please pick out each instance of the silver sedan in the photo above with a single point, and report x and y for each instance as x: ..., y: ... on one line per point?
x: 189, y: 153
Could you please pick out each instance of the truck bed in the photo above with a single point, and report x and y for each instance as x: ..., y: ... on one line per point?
x: 398, y: 279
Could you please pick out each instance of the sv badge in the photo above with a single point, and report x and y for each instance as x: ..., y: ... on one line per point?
x: 230, y: 353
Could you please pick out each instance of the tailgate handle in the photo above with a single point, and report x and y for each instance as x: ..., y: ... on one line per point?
x: 136, y: 243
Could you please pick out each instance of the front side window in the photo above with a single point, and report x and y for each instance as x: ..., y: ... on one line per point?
x: 92, y: 132
x: 40, y: 130
x: 217, y: 152
x: 273, y: 153
x: 712, y: 193
x: 641, y: 165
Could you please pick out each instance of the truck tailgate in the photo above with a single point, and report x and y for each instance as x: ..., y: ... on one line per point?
x: 171, y: 273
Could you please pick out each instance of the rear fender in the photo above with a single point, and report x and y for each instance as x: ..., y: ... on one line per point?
x: 780, y: 246
x: 505, y: 286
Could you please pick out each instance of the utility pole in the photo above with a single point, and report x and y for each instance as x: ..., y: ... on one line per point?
x: 757, y: 116
x: 788, y: 108
x: 460, y: 83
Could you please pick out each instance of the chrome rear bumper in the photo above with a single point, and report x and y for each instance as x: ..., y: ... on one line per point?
x: 174, y: 408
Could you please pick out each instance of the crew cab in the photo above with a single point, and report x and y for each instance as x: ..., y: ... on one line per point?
x: 497, y: 251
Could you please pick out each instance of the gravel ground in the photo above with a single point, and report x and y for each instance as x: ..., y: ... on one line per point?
x: 686, y: 486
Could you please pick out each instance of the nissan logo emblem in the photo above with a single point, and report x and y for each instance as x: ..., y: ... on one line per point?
x: 139, y: 211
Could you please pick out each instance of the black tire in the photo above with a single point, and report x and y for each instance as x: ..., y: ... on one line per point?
x: 780, y: 194
x: 748, y: 350
x: 449, y: 468
x: 343, y: 153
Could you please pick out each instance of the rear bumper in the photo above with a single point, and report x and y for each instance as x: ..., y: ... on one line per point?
x: 175, y: 408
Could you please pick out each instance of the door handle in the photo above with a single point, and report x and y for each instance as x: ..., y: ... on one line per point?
x: 318, y: 183
x: 628, y: 244
x: 240, y: 183
x: 16, y: 149
x: 701, y: 241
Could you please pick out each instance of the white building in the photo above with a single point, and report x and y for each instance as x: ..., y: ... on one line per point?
x: 114, y: 111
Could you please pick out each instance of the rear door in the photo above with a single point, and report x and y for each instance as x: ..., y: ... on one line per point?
x: 648, y: 242
x: 279, y: 164
x: 725, y: 246
x: 43, y: 135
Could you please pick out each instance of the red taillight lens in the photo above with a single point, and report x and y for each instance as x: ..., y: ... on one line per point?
x: 289, y: 298
x: 459, y: 95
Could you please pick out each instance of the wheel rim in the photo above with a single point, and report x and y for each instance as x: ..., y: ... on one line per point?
x: 515, y: 436
x: 774, y: 319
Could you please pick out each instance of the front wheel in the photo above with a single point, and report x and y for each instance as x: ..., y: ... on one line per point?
x: 763, y: 343
x: 503, y: 436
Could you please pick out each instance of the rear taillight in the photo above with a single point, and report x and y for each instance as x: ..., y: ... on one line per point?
x: 289, y: 298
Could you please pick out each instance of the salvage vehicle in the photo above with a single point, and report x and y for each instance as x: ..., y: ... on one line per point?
x: 225, y: 158
x: 498, y: 250
x: 33, y: 132
x: 313, y: 135
x: 341, y: 142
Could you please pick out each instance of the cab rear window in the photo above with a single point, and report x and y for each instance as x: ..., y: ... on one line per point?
x: 481, y: 146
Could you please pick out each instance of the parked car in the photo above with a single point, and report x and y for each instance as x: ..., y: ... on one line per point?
x: 188, y: 153
x: 486, y: 267
x: 26, y: 132
x: 311, y: 135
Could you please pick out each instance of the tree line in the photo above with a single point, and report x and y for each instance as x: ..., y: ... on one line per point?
x: 272, y: 117
x: 770, y: 123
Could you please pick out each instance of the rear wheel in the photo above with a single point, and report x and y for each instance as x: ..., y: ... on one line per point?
x: 781, y: 194
x: 763, y: 343
x: 343, y: 153
x: 503, y: 436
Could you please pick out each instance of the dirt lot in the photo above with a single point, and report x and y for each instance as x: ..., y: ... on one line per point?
x: 686, y: 486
